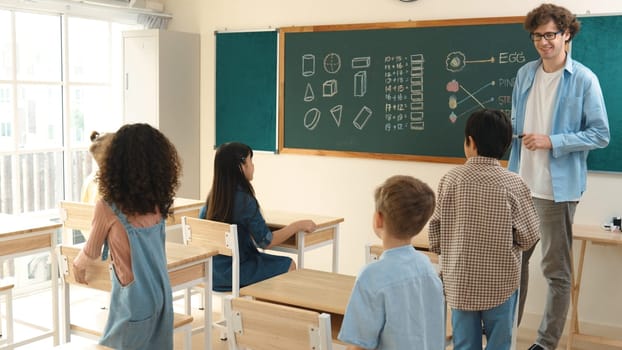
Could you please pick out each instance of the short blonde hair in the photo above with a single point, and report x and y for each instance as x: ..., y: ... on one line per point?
x: 99, y: 146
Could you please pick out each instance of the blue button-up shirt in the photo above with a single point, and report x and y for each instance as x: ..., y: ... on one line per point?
x: 397, y: 304
x: 579, y: 124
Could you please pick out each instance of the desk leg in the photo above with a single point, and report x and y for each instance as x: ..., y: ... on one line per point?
x: 54, y: 279
x: 300, y: 238
x: 336, y: 249
x: 575, y: 290
x: 207, y: 307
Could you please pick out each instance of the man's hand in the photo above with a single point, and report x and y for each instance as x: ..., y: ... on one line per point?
x: 536, y: 141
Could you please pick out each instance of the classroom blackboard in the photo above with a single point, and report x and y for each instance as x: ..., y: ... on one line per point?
x: 247, y: 61
x: 246, y: 88
x: 395, y: 90
x: 598, y: 45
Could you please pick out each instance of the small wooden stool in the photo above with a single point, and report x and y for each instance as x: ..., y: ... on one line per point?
x: 6, y: 290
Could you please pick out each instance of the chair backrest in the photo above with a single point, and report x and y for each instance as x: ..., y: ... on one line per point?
x: 215, y: 235
x: 98, y: 273
x: 76, y: 216
x: 260, y: 325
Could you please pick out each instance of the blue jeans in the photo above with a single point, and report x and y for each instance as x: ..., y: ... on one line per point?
x: 556, y: 244
x: 498, y: 323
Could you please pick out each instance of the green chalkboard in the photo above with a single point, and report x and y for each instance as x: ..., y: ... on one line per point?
x: 246, y: 88
x: 598, y: 45
x: 395, y: 90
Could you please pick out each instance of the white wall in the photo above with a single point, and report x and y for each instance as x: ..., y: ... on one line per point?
x: 343, y: 186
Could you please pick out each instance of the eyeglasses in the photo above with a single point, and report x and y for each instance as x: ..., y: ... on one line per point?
x: 547, y: 35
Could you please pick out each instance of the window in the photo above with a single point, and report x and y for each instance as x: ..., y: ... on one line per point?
x: 60, y: 79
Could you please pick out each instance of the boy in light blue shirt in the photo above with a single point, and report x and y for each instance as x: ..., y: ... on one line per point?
x: 397, y: 302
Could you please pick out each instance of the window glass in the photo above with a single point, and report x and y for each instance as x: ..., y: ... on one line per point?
x: 81, y: 166
x: 90, y: 110
x: 89, y: 50
x: 39, y: 112
x: 6, y: 66
x: 41, y: 181
x: 6, y: 118
x: 39, y: 49
x: 6, y: 185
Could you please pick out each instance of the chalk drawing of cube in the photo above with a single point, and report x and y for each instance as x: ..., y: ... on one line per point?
x: 329, y: 88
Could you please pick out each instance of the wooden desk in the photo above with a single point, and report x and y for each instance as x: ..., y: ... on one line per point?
x: 420, y: 243
x: 308, y: 289
x: 327, y: 232
x: 183, y: 207
x: 81, y: 217
x: 24, y: 235
x: 596, y: 235
x: 187, y: 267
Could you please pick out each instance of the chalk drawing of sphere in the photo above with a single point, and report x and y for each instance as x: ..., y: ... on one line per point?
x: 455, y: 61
x: 332, y: 63
x: 453, y: 103
x: 312, y: 118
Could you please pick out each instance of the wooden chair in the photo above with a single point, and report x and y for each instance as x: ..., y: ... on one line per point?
x: 75, y: 216
x: 98, y: 277
x: 222, y: 237
x: 6, y: 290
x: 260, y: 325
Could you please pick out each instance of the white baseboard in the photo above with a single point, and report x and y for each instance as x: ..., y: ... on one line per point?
x: 531, y: 321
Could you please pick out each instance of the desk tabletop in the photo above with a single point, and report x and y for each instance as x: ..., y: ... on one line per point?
x: 178, y: 254
x: 596, y: 234
x: 187, y: 203
x: 310, y: 289
x: 278, y: 218
x: 421, y: 241
x: 23, y: 224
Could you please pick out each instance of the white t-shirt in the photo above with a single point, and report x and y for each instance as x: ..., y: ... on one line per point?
x: 534, y: 165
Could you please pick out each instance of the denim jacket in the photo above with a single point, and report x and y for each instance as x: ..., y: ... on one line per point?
x: 579, y: 125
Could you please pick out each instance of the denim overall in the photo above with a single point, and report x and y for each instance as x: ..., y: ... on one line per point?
x: 141, y: 313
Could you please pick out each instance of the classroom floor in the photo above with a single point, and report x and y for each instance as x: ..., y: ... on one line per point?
x: 32, y: 313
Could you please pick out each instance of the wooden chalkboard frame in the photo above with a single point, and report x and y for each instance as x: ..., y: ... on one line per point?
x: 283, y: 32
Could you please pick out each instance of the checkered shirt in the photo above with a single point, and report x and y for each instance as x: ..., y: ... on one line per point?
x: 483, y: 219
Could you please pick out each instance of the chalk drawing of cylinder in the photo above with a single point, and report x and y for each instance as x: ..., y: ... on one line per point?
x: 308, y: 65
x: 312, y: 118
x: 360, y: 83
x: 362, y: 117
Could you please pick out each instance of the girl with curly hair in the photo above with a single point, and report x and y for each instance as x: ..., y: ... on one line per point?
x: 137, y: 182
